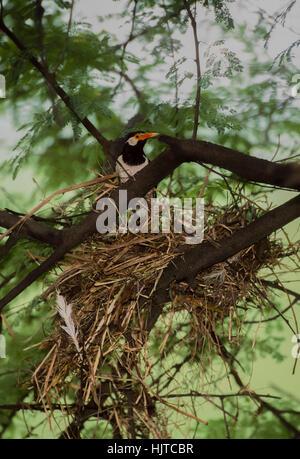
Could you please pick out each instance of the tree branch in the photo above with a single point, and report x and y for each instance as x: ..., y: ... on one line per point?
x: 131, y: 36
x: 204, y: 395
x: 265, y: 405
x: 198, y: 68
x: 247, y: 167
x: 64, y: 48
x: 32, y: 229
x: 51, y: 80
x: 11, y: 241
x: 129, y: 81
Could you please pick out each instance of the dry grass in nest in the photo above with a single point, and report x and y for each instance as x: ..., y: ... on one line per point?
x: 104, y: 279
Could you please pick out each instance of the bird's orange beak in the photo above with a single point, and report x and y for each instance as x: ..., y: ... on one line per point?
x: 147, y: 135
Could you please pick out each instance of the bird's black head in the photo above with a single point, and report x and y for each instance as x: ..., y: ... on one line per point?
x: 133, y: 149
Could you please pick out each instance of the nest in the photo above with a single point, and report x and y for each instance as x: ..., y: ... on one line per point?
x: 109, y: 281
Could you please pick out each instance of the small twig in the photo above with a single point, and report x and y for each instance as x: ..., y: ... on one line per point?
x: 270, y: 319
x: 225, y: 419
x: 204, y: 184
x: 207, y: 396
x: 277, y: 149
x: 126, y: 44
x: 56, y: 220
x: 198, y: 68
x: 51, y: 196
x: 176, y: 71
x: 243, y: 389
x: 129, y: 81
x: 64, y: 48
x: 159, y: 398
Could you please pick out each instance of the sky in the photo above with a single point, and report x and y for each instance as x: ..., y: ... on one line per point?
x: 242, y: 11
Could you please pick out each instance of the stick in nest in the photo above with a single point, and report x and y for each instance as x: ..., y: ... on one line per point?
x: 52, y: 195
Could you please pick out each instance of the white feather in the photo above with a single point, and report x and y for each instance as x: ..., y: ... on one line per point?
x: 2, y: 347
x: 65, y: 311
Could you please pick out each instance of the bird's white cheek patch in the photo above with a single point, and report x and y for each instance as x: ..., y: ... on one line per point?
x: 132, y: 141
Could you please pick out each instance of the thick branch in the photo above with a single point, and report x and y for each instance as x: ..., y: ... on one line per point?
x: 247, y: 167
x: 11, y: 241
x: 31, y: 229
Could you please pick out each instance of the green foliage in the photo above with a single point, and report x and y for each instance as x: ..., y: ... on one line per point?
x: 286, y: 56
x: 222, y: 12
x: 63, y: 4
x: 37, y: 131
x: 262, y: 425
x: 19, y: 363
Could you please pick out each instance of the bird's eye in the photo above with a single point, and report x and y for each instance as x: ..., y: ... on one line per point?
x: 133, y: 140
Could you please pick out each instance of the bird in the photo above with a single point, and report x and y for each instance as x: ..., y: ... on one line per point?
x: 133, y: 158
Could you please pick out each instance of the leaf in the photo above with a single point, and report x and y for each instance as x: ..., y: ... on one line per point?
x: 63, y: 4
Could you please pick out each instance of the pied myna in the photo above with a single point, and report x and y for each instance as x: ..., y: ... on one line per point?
x: 133, y: 158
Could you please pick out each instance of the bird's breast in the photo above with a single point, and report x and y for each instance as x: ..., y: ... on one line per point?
x: 127, y: 171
